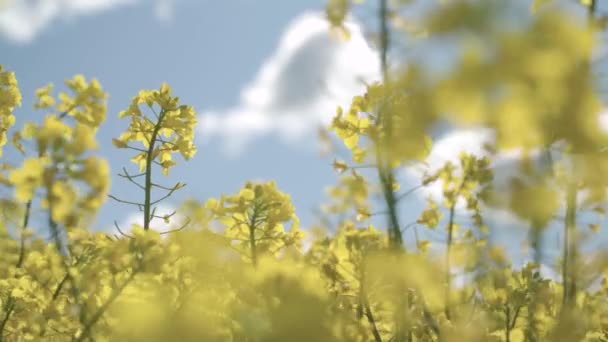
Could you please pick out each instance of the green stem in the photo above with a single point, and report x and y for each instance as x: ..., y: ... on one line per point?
x: 26, y: 219
x: 55, y: 231
x: 10, y: 307
x: 448, y: 266
x: 60, y: 286
x: 372, y: 321
x: 448, y: 276
x: 86, y: 331
x: 532, y: 331
x: 568, y: 267
x: 11, y: 300
x: 384, y: 37
x: 66, y: 278
x: 514, y: 319
x: 148, y: 181
x: 385, y: 173
x: 367, y: 307
x: 507, y: 323
x: 592, y: 8
x: 387, y: 179
x: 252, y: 245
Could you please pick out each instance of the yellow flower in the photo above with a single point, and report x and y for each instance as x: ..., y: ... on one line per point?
x: 166, y: 165
x: 10, y: 97
x: 175, y: 124
x: 87, y: 105
x: 430, y: 217
x: 28, y: 178
x: 53, y: 129
x: 96, y: 173
x: 83, y: 139
x: 63, y: 197
x: 45, y: 100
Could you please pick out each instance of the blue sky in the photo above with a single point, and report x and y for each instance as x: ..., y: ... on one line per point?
x: 262, y: 74
x: 207, y: 51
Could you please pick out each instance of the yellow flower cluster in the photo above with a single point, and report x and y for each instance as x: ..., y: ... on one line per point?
x: 389, y: 121
x: 254, y: 219
x: 62, y: 152
x: 10, y: 97
x: 171, y: 130
x: 351, y: 192
x: 235, y: 270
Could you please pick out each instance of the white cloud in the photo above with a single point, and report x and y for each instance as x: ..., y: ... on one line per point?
x: 164, y: 10
x: 448, y: 148
x: 24, y: 20
x: 603, y: 120
x: 298, y: 87
x: 505, y: 164
x: 158, y: 224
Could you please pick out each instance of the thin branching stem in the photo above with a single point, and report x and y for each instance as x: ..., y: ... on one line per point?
x: 175, y: 187
x: 182, y: 227
x: 88, y: 324
x: 9, y: 308
x: 124, y: 201
x: 409, y: 192
x: 26, y: 219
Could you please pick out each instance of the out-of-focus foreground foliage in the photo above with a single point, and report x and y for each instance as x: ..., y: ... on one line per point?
x: 235, y: 269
